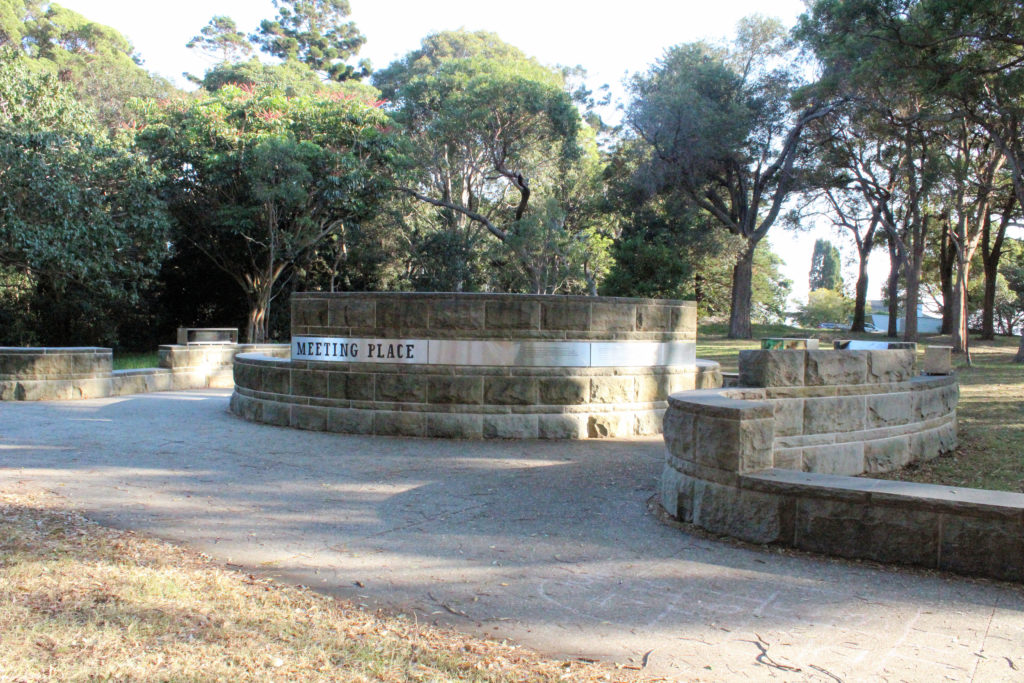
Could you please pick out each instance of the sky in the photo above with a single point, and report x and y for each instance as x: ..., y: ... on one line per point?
x: 609, y: 43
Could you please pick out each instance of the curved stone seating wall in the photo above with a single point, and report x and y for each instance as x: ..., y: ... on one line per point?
x: 769, y: 462
x: 441, y: 393
x: 63, y: 373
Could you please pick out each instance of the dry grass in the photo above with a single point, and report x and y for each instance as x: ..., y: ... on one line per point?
x: 82, y: 602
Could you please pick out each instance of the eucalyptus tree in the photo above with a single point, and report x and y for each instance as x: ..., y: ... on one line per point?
x: 257, y: 179
x: 722, y: 132
x: 498, y: 151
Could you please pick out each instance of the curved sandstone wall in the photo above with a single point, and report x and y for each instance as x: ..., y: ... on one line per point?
x: 770, y: 462
x: 476, y: 366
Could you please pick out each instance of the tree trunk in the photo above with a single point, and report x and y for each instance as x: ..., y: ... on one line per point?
x: 742, y: 289
x: 861, y: 297
x: 913, y: 279
x: 959, y: 330
x: 894, y: 286
x: 991, y: 272
x: 1019, y: 358
x: 947, y: 259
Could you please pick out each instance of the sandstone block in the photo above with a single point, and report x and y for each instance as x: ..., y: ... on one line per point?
x: 986, y: 546
x: 516, y: 314
x: 886, y: 410
x: 788, y: 459
x: 834, y: 414
x: 928, y: 403
x: 349, y: 421
x: 789, y: 416
x: 653, y: 318
x: 679, y: 430
x: 890, y: 365
x: 360, y: 386
x: 881, y: 533
x: 309, y: 417
x: 684, y: 321
x: 651, y: 388
x: 569, y: 315
x: 839, y: 458
x: 612, y: 389
x: 310, y: 312
x: 675, y: 489
x: 309, y: 383
x: 275, y: 413
x: 275, y: 380
x: 886, y: 455
x: 750, y: 516
x: 455, y: 390
x: 772, y: 368
x: 560, y: 426
x: 520, y: 391
x: 393, y: 317
x: 454, y: 426
x: 564, y: 391
x: 351, y: 314
x: 612, y: 317
x: 649, y: 422
x: 510, y: 427
x: 829, y: 368
x: 395, y: 423
x: 400, y: 388
x: 605, y: 425
x: 453, y: 314
x: 938, y: 360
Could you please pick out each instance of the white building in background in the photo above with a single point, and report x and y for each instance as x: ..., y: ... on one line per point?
x: 927, y: 321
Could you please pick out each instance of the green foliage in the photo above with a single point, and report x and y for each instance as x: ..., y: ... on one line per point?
x: 497, y: 149
x: 825, y: 306
x: 221, y: 38
x: 315, y: 33
x: 826, y: 268
x: 81, y: 225
x: 267, y: 178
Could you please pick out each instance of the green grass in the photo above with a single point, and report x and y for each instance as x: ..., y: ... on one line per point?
x: 133, y: 361
x: 991, y: 409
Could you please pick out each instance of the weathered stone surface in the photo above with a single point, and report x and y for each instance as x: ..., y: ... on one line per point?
x: 400, y: 388
x: 310, y: 312
x: 513, y: 315
x: 886, y: 455
x: 360, y: 386
x: 929, y: 403
x: 461, y: 390
x: 612, y: 390
x: 395, y: 316
x: 885, y: 410
x: 309, y: 417
x: 674, y: 488
x: 652, y: 388
x: 789, y: 416
x: 924, y: 445
x: 564, y: 391
x: 278, y: 414
x: 605, y: 425
x: 733, y: 445
x: 828, y: 368
x: 680, y: 434
x: 565, y: 315
x: 457, y: 314
x: 612, y: 317
x: 838, y: 414
x: 520, y: 391
x: 788, y: 458
x: 879, y: 533
x: 454, y: 426
x: 747, y: 515
x: 276, y: 380
x: 649, y: 422
x: 983, y: 546
x: 938, y: 360
x: 510, y: 427
x: 349, y: 421
x: 395, y: 423
x: 351, y: 314
x: 890, y: 365
x: 772, y: 368
x: 309, y: 383
x: 844, y: 458
x: 947, y: 437
x: 560, y: 427
x: 684, y: 320
x: 653, y: 318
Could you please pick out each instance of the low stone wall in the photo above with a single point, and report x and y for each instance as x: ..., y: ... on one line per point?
x: 64, y: 373
x: 476, y: 366
x: 770, y: 462
x: 54, y: 374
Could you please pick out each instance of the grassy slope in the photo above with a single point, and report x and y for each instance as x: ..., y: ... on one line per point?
x: 83, y: 602
x: 991, y: 411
